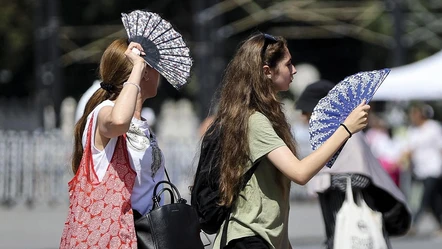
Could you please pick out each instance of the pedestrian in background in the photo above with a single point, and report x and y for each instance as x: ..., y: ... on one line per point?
x: 85, y: 98
x: 367, y: 177
x: 384, y: 147
x: 425, y: 152
x: 254, y: 130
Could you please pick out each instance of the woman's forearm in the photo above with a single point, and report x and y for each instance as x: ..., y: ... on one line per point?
x: 125, y: 104
x: 301, y: 171
x: 314, y: 162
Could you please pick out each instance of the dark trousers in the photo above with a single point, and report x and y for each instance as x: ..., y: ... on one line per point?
x: 432, y: 197
x: 330, y: 202
x: 252, y: 242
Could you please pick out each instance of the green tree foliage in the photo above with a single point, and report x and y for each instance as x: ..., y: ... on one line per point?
x: 16, y: 35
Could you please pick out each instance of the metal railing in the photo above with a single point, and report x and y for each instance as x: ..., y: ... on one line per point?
x: 35, y: 167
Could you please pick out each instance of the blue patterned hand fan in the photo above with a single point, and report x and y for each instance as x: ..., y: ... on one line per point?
x: 165, y: 48
x: 340, y: 101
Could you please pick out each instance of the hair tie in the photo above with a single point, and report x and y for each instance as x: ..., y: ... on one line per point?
x: 345, y: 127
x: 106, y: 86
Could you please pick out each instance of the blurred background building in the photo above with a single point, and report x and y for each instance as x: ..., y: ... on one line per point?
x: 51, y: 50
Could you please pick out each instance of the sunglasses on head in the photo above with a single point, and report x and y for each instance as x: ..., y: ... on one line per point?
x: 268, y: 39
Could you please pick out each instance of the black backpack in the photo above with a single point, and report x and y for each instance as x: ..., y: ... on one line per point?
x: 205, y: 189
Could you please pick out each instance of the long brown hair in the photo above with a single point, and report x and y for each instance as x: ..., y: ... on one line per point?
x: 246, y: 89
x: 115, y: 69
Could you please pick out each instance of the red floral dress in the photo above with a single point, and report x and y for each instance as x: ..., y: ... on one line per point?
x: 100, y: 213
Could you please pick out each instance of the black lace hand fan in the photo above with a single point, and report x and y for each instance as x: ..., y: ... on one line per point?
x: 165, y: 48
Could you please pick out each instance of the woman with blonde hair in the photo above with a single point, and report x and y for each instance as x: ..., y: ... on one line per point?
x: 254, y: 130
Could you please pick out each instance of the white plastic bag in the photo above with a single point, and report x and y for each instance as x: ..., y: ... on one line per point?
x: 358, y: 227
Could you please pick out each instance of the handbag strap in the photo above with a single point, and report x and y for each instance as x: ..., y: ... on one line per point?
x: 168, y: 179
x: 172, y: 188
x: 172, y: 196
x: 167, y: 175
x: 349, y: 192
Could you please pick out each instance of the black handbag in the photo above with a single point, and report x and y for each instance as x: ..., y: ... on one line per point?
x: 171, y: 226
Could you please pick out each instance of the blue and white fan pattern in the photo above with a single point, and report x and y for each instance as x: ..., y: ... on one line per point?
x: 165, y: 48
x: 334, y: 108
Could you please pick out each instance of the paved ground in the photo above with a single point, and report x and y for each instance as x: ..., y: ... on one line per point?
x: 308, y: 230
x: 41, y: 227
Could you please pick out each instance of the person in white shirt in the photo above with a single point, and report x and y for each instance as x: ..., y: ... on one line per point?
x: 386, y: 149
x: 85, y: 98
x: 425, y: 152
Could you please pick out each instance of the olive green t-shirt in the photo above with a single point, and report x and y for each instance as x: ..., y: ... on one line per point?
x: 262, y: 207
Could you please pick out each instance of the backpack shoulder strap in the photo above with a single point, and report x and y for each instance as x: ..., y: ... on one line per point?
x: 224, y: 235
x: 249, y: 174
x: 246, y: 178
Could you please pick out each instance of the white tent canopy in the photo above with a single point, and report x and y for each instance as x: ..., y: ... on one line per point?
x: 421, y: 80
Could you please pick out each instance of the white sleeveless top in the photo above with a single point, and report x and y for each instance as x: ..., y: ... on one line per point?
x: 145, y: 158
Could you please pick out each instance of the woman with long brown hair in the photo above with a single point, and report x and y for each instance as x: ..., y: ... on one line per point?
x: 117, y: 162
x: 254, y: 130
x: 116, y: 159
